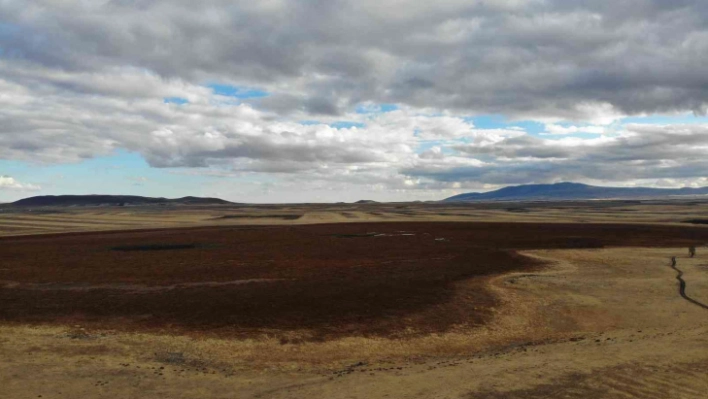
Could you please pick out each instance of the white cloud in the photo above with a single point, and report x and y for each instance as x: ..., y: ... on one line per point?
x: 548, y: 59
x: 48, y: 123
x: 641, y: 153
x: 9, y: 183
x: 83, y: 79
x: 559, y: 129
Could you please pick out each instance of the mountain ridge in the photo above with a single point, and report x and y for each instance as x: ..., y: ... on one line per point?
x: 573, y: 191
x: 101, y: 199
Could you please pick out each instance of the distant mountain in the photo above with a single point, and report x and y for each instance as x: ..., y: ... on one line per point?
x: 574, y: 191
x: 201, y: 201
x: 97, y: 200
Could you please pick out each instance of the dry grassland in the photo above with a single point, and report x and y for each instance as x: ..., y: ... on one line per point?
x: 597, y: 323
x: 602, y: 318
x: 22, y: 221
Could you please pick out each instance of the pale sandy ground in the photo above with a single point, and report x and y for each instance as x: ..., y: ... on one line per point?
x: 23, y: 221
x: 605, y: 323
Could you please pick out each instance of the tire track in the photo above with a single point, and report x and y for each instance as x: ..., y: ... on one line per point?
x: 682, y: 287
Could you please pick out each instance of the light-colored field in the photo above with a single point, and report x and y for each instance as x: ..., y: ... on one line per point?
x: 14, y: 221
x: 602, y: 323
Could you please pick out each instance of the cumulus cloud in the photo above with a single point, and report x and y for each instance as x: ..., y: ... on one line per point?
x: 559, y: 129
x: 9, y: 183
x: 641, y: 152
x: 47, y: 122
x: 83, y: 79
x: 553, y: 58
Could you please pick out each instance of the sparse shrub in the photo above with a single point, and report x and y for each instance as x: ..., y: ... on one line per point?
x: 79, y: 333
x: 170, y: 357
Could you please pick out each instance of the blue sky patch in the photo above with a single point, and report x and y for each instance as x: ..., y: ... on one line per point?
x: 388, y: 107
x: 500, y: 122
x: 237, y: 91
x: 8, y: 30
x: 688, y: 119
x: 117, y: 173
x: 176, y: 100
x: 584, y: 136
x: 428, y: 144
x: 336, y: 125
x: 375, y: 108
x: 310, y: 123
x: 347, y: 125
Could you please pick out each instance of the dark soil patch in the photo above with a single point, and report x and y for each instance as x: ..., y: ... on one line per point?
x: 335, y: 280
x: 696, y: 221
x: 355, y: 235
x: 154, y: 247
x: 267, y: 216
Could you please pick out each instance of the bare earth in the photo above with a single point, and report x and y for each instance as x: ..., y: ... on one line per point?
x: 590, y: 323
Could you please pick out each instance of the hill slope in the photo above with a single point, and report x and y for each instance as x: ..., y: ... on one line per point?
x: 573, y: 191
x: 96, y: 200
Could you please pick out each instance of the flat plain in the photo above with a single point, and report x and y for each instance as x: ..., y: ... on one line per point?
x: 503, y: 300
x: 47, y: 220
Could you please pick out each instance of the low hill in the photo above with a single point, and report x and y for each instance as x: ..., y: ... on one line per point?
x: 574, y: 191
x: 98, y: 200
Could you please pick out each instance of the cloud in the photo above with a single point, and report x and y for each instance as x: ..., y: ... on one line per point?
x: 640, y: 152
x: 555, y: 59
x: 46, y: 122
x: 84, y: 79
x: 9, y: 183
x: 559, y: 129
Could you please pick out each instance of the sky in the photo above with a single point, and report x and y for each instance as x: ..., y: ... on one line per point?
x: 276, y: 101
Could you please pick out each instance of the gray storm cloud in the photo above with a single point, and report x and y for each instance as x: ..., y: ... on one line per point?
x: 543, y: 58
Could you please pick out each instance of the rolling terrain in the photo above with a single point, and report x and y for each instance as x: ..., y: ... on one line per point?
x: 108, y: 200
x: 325, y: 280
x: 576, y: 191
x: 58, y: 219
x: 460, y: 300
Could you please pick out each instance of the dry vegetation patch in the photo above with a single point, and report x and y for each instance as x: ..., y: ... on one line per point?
x: 606, y: 322
x: 297, y: 283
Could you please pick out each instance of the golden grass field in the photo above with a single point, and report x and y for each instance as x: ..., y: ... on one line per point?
x: 592, y: 323
x: 21, y: 221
